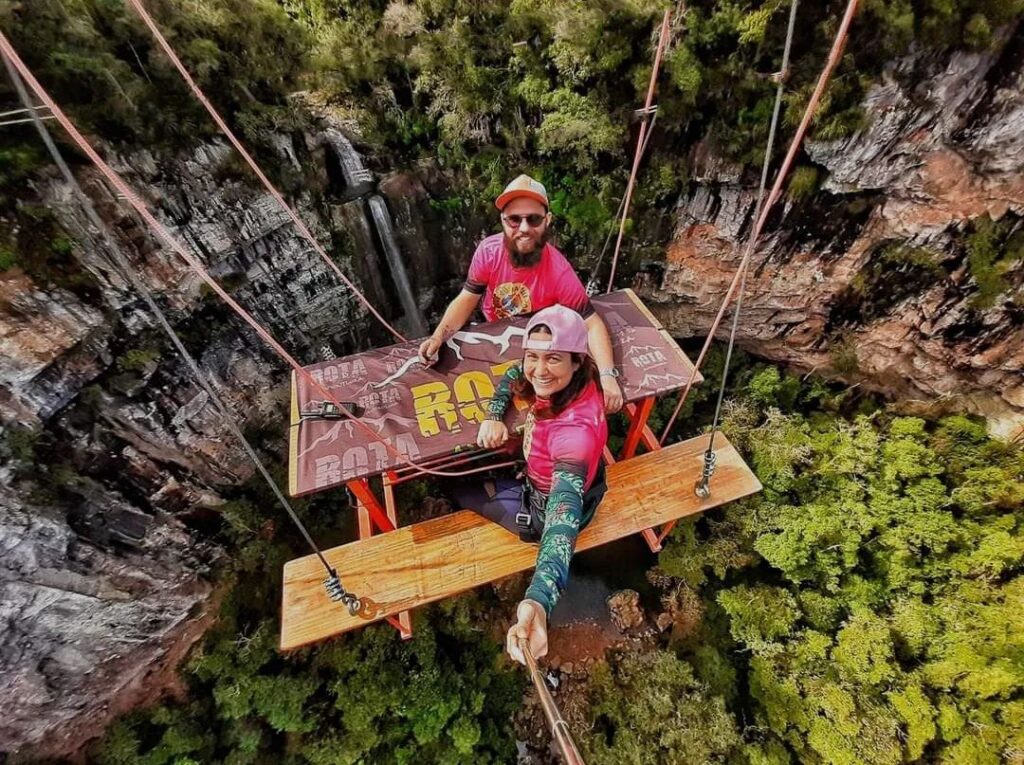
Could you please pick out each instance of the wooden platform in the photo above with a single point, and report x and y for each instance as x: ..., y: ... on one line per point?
x: 427, y: 561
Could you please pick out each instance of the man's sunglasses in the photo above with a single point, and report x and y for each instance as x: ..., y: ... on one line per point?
x: 515, y: 221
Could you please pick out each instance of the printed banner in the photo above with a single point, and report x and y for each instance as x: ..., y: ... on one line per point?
x: 424, y: 413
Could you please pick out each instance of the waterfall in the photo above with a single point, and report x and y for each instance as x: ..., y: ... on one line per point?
x: 359, y: 182
x: 356, y: 175
x: 385, y: 231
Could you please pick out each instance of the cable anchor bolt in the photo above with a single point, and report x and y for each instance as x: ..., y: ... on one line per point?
x: 703, y: 486
x: 337, y: 592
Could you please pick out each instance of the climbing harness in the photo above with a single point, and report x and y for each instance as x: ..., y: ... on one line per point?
x: 533, y: 506
x: 332, y: 582
x: 556, y: 723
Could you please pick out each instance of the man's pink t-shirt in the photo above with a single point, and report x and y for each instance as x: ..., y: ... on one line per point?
x: 510, y: 291
x: 577, y: 437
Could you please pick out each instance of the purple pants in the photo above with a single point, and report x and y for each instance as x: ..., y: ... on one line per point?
x: 496, y: 500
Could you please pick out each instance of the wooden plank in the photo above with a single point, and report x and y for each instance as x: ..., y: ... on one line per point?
x: 419, y: 564
x: 365, y: 528
x: 404, y: 617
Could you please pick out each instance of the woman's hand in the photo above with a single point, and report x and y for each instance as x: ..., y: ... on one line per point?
x: 492, y: 434
x: 532, y: 626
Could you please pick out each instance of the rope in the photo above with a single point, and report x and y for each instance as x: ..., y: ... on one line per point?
x: 124, y: 268
x: 662, y: 39
x: 783, y: 73
x: 780, y: 177
x: 271, y: 189
x: 130, y: 196
x: 592, y: 287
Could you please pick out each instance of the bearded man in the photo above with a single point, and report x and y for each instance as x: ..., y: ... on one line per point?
x: 519, y: 272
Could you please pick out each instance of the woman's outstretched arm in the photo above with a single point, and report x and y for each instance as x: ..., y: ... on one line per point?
x: 564, y: 511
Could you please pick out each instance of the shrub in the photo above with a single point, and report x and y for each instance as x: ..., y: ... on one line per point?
x: 993, y: 248
x: 803, y: 182
x: 858, y: 649
x: 681, y: 720
x: 137, y: 359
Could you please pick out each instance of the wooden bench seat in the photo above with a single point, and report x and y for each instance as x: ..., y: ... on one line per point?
x: 435, y: 559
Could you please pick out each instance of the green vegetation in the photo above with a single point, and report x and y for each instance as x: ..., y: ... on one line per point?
x: 446, y: 696
x: 137, y: 359
x: 803, y: 182
x: 33, y: 241
x: 994, y: 248
x: 489, y: 88
x: 442, y: 697
x: 650, y: 707
x: 8, y: 259
x: 98, y: 61
x: 865, y: 608
x: 891, y: 274
x: 872, y: 592
x: 843, y: 356
x: 18, y: 444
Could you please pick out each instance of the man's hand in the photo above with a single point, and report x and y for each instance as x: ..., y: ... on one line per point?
x: 532, y: 626
x: 429, y: 349
x: 612, y: 394
x: 492, y: 434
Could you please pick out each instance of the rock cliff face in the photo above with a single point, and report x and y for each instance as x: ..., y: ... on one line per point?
x: 104, y: 580
x: 872, y: 278
x: 91, y: 630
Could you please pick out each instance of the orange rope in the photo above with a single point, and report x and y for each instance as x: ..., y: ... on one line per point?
x: 638, y: 155
x: 118, y: 183
x: 271, y: 189
x: 780, y: 177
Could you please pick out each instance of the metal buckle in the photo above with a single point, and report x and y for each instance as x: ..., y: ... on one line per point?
x: 523, y: 520
x: 328, y: 410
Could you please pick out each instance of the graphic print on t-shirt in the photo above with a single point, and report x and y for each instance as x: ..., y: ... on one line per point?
x: 511, y: 299
x: 528, y: 433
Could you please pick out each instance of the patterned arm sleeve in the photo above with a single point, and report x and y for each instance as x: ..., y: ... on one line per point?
x: 502, y: 397
x: 561, y: 527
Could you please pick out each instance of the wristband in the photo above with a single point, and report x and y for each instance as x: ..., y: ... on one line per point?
x: 612, y: 372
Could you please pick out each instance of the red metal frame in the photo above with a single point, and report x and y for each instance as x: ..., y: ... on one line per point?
x: 637, y: 414
x: 364, y: 495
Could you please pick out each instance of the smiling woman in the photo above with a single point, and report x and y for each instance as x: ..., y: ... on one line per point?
x: 563, y: 443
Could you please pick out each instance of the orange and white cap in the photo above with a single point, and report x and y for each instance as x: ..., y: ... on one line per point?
x: 523, y: 186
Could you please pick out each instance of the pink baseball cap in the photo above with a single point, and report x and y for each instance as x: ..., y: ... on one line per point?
x: 568, y: 331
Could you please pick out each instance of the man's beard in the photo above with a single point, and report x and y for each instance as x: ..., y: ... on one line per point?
x: 526, y: 259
